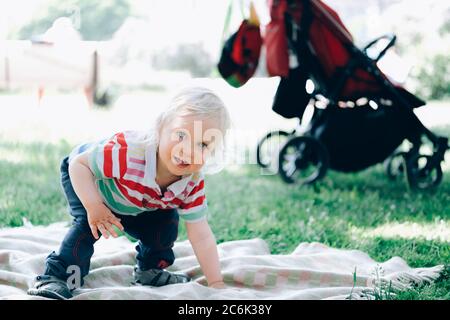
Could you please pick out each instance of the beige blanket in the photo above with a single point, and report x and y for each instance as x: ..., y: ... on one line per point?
x: 311, y: 271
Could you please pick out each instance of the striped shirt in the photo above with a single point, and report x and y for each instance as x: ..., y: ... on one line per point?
x: 125, y: 170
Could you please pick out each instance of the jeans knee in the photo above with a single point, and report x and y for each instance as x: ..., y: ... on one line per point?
x: 168, y: 234
x: 64, y: 165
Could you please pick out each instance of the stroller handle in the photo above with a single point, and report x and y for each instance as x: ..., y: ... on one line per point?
x: 391, y: 37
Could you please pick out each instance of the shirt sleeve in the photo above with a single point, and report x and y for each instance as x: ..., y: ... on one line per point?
x: 195, y: 207
x: 108, y: 158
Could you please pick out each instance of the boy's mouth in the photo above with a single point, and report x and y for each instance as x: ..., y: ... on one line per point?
x: 180, y: 163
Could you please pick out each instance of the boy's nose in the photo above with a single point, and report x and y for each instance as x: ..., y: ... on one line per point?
x: 185, y: 156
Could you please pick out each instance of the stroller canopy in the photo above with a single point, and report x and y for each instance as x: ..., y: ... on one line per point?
x: 330, y: 48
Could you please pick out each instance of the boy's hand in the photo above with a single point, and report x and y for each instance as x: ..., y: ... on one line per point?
x: 100, y: 218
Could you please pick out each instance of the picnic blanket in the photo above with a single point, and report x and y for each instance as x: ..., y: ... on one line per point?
x: 311, y: 271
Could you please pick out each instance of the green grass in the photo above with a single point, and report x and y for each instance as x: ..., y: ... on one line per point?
x: 340, y: 211
x: 284, y: 215
x: 29, y: 183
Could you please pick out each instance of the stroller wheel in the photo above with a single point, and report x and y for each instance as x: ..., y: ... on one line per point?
x: 422, y: 173
x: 269, y: 146
x: 302, y: 160
x: 395, y: 165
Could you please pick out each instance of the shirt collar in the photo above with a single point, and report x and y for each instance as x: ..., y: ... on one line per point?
x: 179, y: 186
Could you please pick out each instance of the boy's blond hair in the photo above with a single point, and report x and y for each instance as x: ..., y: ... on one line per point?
x: 195, y: 101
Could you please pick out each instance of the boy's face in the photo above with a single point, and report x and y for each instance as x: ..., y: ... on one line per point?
x: 186, y: 142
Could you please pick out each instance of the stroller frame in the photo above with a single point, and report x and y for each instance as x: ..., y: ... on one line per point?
x: 418, y: 177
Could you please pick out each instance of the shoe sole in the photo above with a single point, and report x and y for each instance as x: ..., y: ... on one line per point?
x: 46, y: 294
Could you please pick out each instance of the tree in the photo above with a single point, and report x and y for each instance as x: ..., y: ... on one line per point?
x: 434, y: 77
x: 95, y: 19
x: 190, y: 57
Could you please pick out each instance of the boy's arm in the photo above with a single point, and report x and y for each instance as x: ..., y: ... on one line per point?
x: 83, y: 181
x: 204, y: 244
x: 99, y: 216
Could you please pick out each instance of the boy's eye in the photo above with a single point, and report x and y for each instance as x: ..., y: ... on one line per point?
x: 181, y: 135
x: 203, y: 145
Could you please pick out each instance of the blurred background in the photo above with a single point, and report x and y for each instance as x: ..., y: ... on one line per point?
x: 80, y: 53
x: 77, y: 70
x: 166, y: 40
x: 126, y: 55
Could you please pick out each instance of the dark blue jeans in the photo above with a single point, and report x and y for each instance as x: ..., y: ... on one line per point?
x: 155, y: 230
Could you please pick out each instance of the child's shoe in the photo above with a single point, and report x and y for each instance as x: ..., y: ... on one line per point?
x: 50, y: 287
x: 158, y: 277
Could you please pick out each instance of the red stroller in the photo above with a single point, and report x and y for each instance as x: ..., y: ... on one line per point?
x: 378, y: 115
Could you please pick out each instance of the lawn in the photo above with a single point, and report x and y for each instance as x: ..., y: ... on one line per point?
x: 362, y: 211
